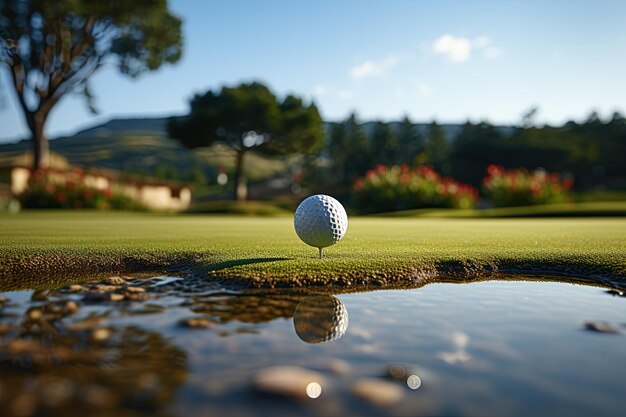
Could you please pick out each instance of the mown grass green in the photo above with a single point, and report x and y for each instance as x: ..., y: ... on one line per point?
x: 583, y: 209
x: 266, y: 251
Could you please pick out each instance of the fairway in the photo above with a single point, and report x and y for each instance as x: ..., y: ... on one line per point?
x: 265, y: 252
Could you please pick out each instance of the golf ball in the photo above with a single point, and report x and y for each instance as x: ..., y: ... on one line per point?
x: 320, y: 319
x: 320, y: 221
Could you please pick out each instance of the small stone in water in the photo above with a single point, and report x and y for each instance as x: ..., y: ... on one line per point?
x: 100, y: 334
x: 339, y: 367
x: 289, y: 381
x: 34, y: 313
x: 98, y: 396
x: 41, y: 295
x: 116, y: 297
x: 56, y: 392
x: 396, y: 371
x: 107, y: 288
x: 23, y: 405
x: 5, y: 328
x: 115, y: 280
x: 76, y: 288
x: 70, y: 307
x: 135, y: 289
x: 198, y: 323
x: 378, y: 391
x: 601, y: 327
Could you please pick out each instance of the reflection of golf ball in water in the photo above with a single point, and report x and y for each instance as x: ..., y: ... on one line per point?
x: 320, y: 319
x: 320, y: 221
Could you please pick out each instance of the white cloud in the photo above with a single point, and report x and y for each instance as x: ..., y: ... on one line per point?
x: 459, y: 49
x: 371, y: 68
x: 453, y: 48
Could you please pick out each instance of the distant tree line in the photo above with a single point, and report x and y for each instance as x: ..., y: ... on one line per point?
x: 591, y: 153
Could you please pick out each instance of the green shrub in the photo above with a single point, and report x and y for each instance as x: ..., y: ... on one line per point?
x: 44, y: 193
x: 401, y: 187
x: 519, y: 187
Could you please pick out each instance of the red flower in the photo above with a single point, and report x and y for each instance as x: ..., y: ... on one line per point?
x: 358, y: 184
x: 60, y: 197
x: 381, y: 169
x: 495, y: 170
x: 568, y: 183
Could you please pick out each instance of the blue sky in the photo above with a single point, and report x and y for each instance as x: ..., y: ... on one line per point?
x: 444, y: 60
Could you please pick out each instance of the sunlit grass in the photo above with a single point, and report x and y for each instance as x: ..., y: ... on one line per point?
x: 267, y: 250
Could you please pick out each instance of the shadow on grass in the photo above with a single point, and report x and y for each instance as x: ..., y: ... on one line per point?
x: 241, y: 262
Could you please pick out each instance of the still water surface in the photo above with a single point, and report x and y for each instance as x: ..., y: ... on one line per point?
x: 492, y: 348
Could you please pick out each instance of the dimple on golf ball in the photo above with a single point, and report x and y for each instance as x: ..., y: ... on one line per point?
x: 320, y: 221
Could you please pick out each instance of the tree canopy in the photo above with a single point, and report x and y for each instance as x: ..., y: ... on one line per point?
x: 51, y: 48
x: 249, y: 117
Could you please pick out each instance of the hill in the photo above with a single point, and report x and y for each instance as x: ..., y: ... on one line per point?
x: 141, y: 146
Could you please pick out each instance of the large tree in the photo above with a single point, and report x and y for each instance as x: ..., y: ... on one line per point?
x: 51, y: 48
x: 249, y: 117
x: 437, y: 147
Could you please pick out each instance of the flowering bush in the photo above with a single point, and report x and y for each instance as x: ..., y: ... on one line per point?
x: 519, y: 187
x: 45, y: 193
x: 402, y: 187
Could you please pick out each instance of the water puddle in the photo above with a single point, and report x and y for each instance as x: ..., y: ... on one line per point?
x: 173, y: 347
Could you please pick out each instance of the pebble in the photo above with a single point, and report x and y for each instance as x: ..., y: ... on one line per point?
x: 378, y: 391
x: 5, y: 328
x: 116, y: 297
x: 57, y: 392
x: 41, y: 295
x: 396, y: 371
x: 339, y: 367
x: 70, y: 307
x: 135, y: 289
x: 107, y: 288
x: 288, y: 381
x: 34, y: 313
x: 98, y: 396
x: 100, y: 334
x: 88, y: 323
x: 76, y: 288
x: 198, y: 323
x: 23, y: 405
x: 114, y: 280
x: 600, y: 327
x: 137, y: 296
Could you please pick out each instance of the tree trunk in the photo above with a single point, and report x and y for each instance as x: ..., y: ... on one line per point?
x: 241, y: 188
x: 41, y: 150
